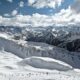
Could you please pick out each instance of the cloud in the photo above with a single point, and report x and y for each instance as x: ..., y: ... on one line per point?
x: 21, y: 4
x: 6, y: 15
x: 76, y: 6
x: 1, y: 19
x: 67, y: 16
x: 64, y: 17
x: 14, y: 12
x: 10, y: 1
x: 44, y: 3
x: 35, y: 20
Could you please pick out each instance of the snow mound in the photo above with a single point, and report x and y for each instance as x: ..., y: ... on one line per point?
x: 4, y: 35
x: 45, y: 63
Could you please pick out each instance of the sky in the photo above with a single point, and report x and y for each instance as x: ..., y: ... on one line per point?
x: 38, y: 13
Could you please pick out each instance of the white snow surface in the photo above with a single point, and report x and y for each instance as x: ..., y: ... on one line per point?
x: 45, y: 63
x: 4, y: 35
x: 21, y: 60
x: 10, y: 70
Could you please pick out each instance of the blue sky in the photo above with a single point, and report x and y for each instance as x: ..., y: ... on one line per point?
x: 7, y: 7
x: 39, y: 12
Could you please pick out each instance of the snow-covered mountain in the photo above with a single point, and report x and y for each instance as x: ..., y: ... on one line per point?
x: 40, y: 50
x: 61, y: 36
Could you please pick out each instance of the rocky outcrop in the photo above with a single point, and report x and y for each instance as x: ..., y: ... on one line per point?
x: 71, y: 45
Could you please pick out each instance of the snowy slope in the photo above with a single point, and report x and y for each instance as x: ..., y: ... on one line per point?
x: 26, y: 60
x: 28, y: 49
x: 8, y: 61
x: 10, y: 70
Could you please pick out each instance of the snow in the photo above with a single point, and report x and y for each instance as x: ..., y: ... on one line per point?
x: 10, y: 70
x: 4, y: 35
x: 45, y: 63
x: 39, y: 76
x: 25, y: 60
x: 8, y: 61
x: 44, y: 50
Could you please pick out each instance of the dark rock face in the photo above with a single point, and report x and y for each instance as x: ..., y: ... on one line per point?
x: 71, y: 45
x: 74, y: 45
x: 46, y: 37
x: 49, y: 38
x: 61, y: 40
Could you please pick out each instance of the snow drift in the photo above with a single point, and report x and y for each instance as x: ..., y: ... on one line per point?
x: 45, y: 63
